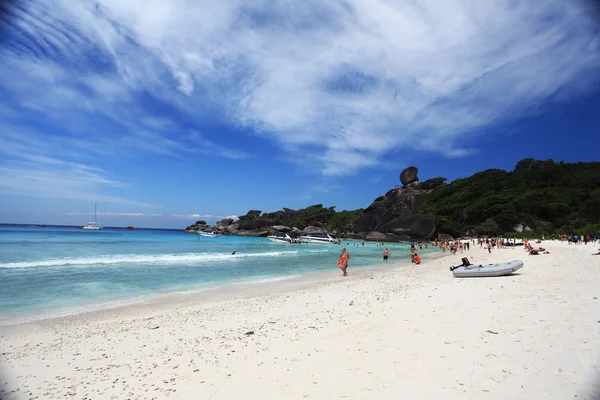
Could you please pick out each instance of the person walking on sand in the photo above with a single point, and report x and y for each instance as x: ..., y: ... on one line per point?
x: 386, y: 254
x: 343, y: 261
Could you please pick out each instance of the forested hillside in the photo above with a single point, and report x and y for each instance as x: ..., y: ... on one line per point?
x: 546, y: 196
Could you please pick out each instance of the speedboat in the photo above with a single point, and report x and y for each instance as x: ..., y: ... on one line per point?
x: 326, y: 238
x: 281, y: 237
x: 209, y: 233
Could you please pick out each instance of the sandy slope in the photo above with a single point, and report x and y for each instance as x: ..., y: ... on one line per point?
x: 414, y: 332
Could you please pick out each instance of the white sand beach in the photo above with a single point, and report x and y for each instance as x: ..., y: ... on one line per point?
x: 412, y: 332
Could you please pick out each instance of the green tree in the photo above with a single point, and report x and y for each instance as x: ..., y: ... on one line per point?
x: 433, y: 183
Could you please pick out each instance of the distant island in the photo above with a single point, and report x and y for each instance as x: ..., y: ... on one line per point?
x: 539, y: 196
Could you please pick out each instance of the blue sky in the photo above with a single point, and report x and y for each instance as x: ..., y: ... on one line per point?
x: 168, y: 112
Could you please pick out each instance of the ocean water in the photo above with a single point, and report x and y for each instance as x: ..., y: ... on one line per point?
x: 50, y: 271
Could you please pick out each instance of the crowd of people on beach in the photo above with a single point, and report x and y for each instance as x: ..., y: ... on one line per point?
x: 462, y: 245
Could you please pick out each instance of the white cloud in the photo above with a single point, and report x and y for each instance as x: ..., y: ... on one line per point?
x: 204, y: 217
x: 339, y: 83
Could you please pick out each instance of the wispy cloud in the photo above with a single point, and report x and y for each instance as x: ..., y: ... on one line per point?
x: 318, y: 189
x: 74, y: 182
x: 118, y: 214
x: 337, y: 83
x: 205, y: 217
x: 27, y: 170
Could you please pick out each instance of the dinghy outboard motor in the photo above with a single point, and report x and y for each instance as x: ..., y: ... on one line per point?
x: 465, y: 263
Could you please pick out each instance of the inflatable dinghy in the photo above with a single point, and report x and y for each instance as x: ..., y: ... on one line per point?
x: 482, y: 270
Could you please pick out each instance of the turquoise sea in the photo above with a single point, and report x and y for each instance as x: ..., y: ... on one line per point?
x: 47, y: 271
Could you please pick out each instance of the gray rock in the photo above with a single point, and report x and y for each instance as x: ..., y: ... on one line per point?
x: 254, y: 233
x: 375, y: 236
x: 321, y: 217
x: 313, y: 229
x: 419, y: 226
x: 232, y: 228
x: 254, y: 223
x: 253, y: 213
x: 394, y: 214
x: 445, y: 237
x: 518, y: 228
x: 223, y: 224
x: 409, y: 175
x: 282, y: 228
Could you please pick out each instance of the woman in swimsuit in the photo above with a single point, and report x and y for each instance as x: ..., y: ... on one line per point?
x: 343, y: 261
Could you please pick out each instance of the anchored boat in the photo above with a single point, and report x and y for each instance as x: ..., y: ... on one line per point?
x: 327, y: 238
x: 94, y: 224
x: 209, y: 233
x: 281, y: 237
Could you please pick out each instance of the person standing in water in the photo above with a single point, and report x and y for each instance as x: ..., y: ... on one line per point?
x: 343, y: 261
x: 386, y: 254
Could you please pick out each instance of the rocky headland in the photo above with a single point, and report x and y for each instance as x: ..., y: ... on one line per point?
x: 391, y: 217
x: 541, y: 196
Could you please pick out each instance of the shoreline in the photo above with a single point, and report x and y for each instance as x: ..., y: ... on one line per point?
x: 218, y: 292
x: 533, y: 334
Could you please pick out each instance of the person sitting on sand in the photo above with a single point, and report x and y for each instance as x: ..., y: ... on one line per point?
x: 343, y: 261
x: 416, y: 259
x: 596, y: 254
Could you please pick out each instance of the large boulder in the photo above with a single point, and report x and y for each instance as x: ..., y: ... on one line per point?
x: 409, y: 175
x: 394, y: 214
x: 313, y: 229
x: 444, y: 237
x: 274, y: 215
x: 384, y: 237
x: 282, y: 228
x: 375, y: 236
x: 395, y: 204
x: 253, y: 213
x: 233, y: 228
x: 223, y: 224
x: 198, y: 226
x: 255, y: 223
x: 418, y: 226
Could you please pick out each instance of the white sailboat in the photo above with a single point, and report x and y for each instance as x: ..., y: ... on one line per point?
x: 94, y: 224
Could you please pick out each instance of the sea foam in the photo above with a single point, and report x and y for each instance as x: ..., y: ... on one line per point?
x: 185, y: 258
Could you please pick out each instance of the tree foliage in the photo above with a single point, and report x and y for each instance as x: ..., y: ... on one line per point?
x: 340, y: 220
x: 432, y: 183
x: 547, y: 196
